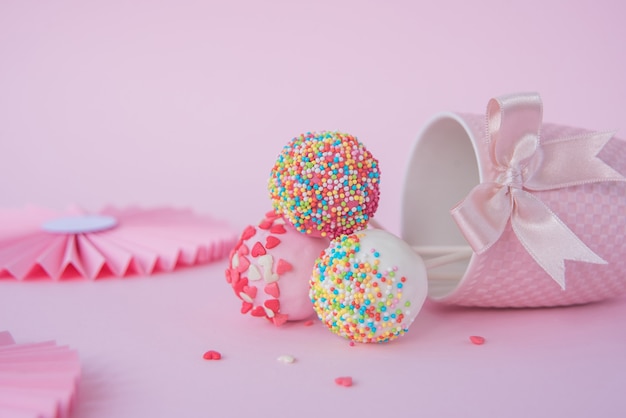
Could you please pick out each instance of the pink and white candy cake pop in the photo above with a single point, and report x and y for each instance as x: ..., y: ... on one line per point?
x: 325, y: 184
x: 368, y: 286
x: 270, y: 267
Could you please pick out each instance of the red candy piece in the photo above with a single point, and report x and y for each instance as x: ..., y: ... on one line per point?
x: 212, y: 355
x: 258, y: 249
x: 258, y: 311
x: 234, y: 276
x: 283, y: 266
x: 272, y: 304
x: 266, y: 224
x: 245, y: 307
x: 239, y: 285
x: 278, y: 229
x: 248, y: 233
x: 272, y: 290
x: 244, y: 263
x: 243, y: 250
x: 344, y: 381
x: 279, y: 319
x: 476, y: 339
x: 271, y: 242
x: 250, y: 291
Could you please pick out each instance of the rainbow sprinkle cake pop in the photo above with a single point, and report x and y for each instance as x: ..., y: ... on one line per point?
x: 325, y: 184
x: 368, y: 286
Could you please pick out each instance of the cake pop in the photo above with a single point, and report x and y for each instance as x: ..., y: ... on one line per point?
x: 270, y: 267
x: 368, y: 286
x: 325, y: 184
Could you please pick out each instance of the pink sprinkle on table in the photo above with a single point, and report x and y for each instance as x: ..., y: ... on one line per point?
x: 344, y: 381
x: 477, y: 340
x: 212, y: 355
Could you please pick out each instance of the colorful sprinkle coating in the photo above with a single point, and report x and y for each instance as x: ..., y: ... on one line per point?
x: 325, y: 184
x: 363, y: 297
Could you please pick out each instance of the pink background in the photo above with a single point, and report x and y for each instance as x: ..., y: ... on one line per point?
x: 187, y: 103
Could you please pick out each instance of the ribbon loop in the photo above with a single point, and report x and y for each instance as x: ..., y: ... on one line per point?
x: 525, y: 166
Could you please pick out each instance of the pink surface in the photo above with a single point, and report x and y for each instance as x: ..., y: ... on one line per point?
x: 188, y: 103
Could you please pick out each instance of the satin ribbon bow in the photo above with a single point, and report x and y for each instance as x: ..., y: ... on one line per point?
x: 525, y: 165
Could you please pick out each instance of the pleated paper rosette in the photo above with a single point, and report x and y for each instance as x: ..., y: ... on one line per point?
x: 37, y: 380
x: 37, y: 242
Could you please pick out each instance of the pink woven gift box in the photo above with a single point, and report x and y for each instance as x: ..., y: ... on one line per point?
x: 542, y: 206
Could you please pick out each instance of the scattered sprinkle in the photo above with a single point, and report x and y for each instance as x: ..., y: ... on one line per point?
x: 286, y: 358
x: 212, y: 355
x: 308, y: 323
x: 351, y: 343
x: 344, y: 381
x: 476, y: 339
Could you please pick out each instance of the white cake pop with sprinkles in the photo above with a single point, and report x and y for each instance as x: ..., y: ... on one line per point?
x: 368, y: 286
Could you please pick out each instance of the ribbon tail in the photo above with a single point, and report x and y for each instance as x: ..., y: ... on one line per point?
x: 546, y: 238
x: 573, y: 161
x: 483, y: 215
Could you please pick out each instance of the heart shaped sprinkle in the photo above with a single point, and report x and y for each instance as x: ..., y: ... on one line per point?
x: 278, y: 229
x: 258, y: 249
x: 271, y: 214
x: 258, y: 311
x: 477, y: 340
x: 239, y: 285
x: 266, y: 224
x: 271, y: 242
x: 272, y: 304
x: 283, y: 266
x: 344, y: 381
x: 244, y: 263
x: 245, y: 307
x: 248, y: 233
x: 212, y: 355
x: 243, y: 249
x: 250, y: 291
x: 279, y: 319
x: 272, y: 289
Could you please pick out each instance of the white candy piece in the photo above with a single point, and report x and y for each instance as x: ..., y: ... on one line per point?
x: 286, y: 358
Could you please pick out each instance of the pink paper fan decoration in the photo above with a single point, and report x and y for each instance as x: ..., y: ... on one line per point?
x: 37, y: 380
x: 118, y: 242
